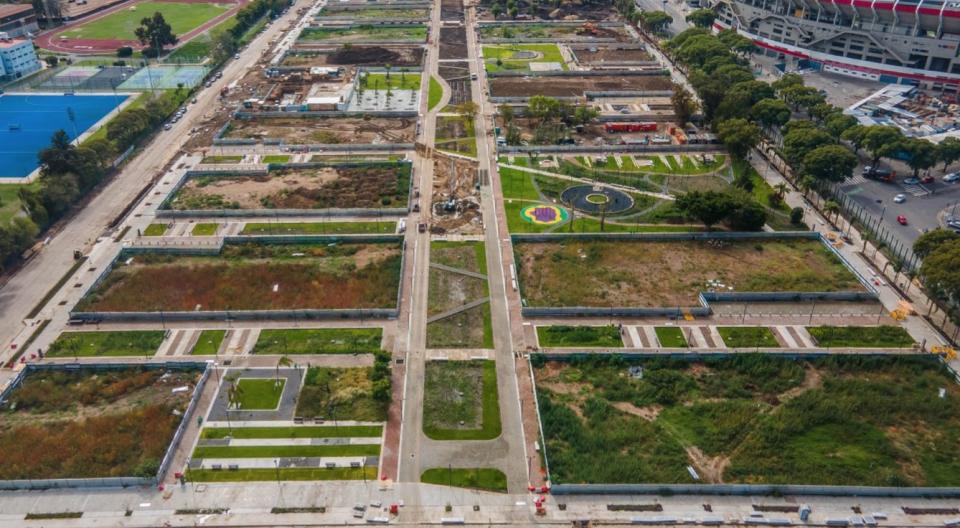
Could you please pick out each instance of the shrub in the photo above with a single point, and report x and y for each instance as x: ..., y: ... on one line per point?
x: 796, y: 215
x: 124, y: 51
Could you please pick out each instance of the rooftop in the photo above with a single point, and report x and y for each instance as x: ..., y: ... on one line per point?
x: 13, y: 9
x: 9, y: 43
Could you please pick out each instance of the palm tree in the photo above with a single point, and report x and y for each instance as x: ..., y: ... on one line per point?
x: 284, y: 361
x: 832, y: 209
x: 388, y: 67
x: 234, y: 395
x: 781, y: 188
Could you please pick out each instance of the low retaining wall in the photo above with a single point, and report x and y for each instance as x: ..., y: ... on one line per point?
x: 750, y: 489
x: 606, y: 149
x: 111, y: 482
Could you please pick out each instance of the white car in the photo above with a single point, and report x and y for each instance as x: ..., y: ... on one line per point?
x: 900, y: 198
x: 953, y: 177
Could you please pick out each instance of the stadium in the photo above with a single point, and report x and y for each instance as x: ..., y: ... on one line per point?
x: 908, y: 42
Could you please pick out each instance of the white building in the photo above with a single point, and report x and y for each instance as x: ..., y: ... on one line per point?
x: 17, y: 57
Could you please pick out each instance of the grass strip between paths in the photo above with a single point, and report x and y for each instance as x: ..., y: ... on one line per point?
x: 486, y: 479
x: 286, y: 451
x: 357, y: 431
x: 271, y: 474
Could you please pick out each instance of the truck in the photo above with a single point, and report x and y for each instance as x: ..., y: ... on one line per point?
x: 630, y: 127
x: 879, y: 173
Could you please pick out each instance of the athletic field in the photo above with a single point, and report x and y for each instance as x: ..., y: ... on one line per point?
x: 121, y: 24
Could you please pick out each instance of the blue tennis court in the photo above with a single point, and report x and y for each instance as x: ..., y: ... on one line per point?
x: 27, y: 122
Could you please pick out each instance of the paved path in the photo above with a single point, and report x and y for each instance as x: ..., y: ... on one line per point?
x: 454, y: 311
x: 451, y: 269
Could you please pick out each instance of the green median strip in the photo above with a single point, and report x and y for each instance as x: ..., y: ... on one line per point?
x: 319, y: 341
x: 486, y: 479
x: 861, y: 336
x: 747, y: 337
x: 671, y: 337
x: 287, y: 451
x: 342, y: 431
x: 579, y: 336
x: 273, y: 474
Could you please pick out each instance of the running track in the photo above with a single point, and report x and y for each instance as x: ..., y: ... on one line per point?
x: 50, y: 40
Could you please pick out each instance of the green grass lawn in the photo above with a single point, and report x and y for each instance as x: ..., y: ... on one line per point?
x: 182, y: 17
x: 671, y: 337
x: 307, y: 431
x: 213, y: 160
x: 396, y: 81
x: 861, y: 336
x: 435, y: 94
x: 486, y: 479
x: 201, y: 47
x: 317, y: 228
x: 747, y: 336
x: 319, y: 341
x: 257, y: 394
x: 208, y: 343
x: 507, y: 55
x: 205, y: 229
x: 341, y: 394
x: 10, y: 204
x: 579, y: 336
x: 270, y: 474
x: 121, y: 343
x: 276, y: 158
x: 336, y: 450
x: 155, y: 230
x: 453, y: 390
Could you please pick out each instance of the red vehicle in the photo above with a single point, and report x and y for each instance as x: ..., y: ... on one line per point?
x: 630, y: 127
x: 902, y: 220
x: 926, y: 179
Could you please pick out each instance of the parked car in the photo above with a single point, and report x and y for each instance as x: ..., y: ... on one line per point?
x: 878, y: 173
x: 953, y: 177
x: 926, y: 179
x: 902, y: 220
x: 911, y: 181
x: 900, y: 198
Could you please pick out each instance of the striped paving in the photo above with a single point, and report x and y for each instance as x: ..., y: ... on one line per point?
x: 635, y: 341
x: 179, y: 342
x: 238, y: 442
x: 283, y: 462
x: 240, y: 342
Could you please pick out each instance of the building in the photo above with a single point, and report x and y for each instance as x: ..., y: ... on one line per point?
x: 17, y: 58
x: 18, y: 20
x: 894, y: 41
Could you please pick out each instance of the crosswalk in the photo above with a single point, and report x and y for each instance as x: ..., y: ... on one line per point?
x: 180, y: 342
x: 707, y: 337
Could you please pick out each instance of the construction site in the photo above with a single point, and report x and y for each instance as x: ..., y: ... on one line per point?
x: 599, y: 56
x: 455, y: 197
x: 305, y: 57
x: 334, y: 130
x: 554, y: 31
x: 578, y: 86
x: 563, y: 10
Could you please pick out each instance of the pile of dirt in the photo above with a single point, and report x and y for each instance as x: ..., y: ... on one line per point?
x: 363, y: 55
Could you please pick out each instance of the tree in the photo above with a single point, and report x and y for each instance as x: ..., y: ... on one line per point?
x: 830, y: 163
x: 798, y: 142
x: 855, y: 135
x: 931, y: 241
x: 496, y: 10
x: 799, y: 96
x: 739, y: 135
x: 831, y: 208
x: 155, y: 33
x: 770, y: 113
x: 836, y: 124
x: 655, y: 21
x: 746, y: 215
x: 948, y: 151
x: 788, y: 80
x: 684, y: 105
x: 923, y: 154
x: 709, y: 207
x: 284, y: 361
x: 60, y: 156
x: 506, y: 113
x: 940, y: 273
x: 882, y: 141
x: 702, y: 18
x: 796, y: 215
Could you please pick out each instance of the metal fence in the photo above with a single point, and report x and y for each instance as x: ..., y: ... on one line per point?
x: 605, y: 149
x: 750, y: 489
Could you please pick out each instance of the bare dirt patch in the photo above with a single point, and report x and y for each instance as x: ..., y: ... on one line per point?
x: 300, y: 188
x: 398, y: 56
x: 556, y: 86
x: 710, y: 469
x: 648, y: 413
x: 325, y: 130
x: 453, y: 43
x: 595, y: 55
x: 455, y: 197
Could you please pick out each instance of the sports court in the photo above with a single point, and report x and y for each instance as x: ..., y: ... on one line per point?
x: 27, y: 122
x: 88, y: 78
x: 164, y: 77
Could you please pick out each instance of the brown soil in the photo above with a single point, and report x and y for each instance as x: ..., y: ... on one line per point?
x: 453, y: 43
x: 551, y: 11
x: 710, y: 469
x: 648, y: 413
x: 329, y: 130
x: 598, y: 55
x: 451, y: 10
x: 671, y: 273
x: 575, y: 86
x: 457, y: 76
x: 457, y: 179
x: 315, y: 188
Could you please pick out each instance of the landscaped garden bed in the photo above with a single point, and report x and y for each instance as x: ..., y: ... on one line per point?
x: 460, y: 400
x: 861, y: 336
x: 361, y: 394
x: 579, y: 336
x: 319, y: 341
